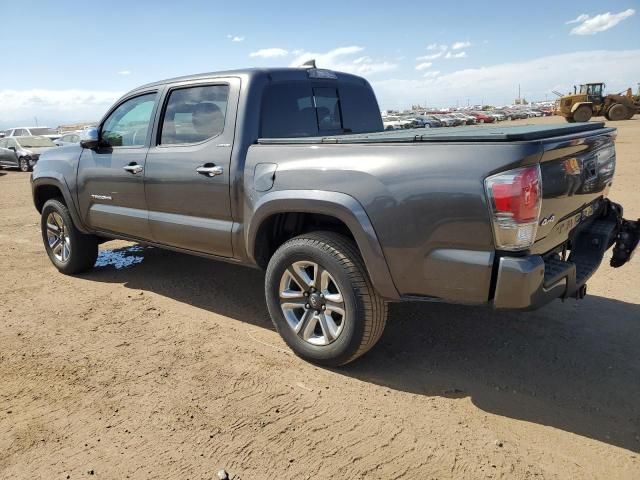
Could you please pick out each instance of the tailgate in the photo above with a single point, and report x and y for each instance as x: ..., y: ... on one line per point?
x: 577, y: 172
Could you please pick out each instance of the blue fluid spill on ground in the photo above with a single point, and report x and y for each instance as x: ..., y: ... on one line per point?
x: 121, y: 257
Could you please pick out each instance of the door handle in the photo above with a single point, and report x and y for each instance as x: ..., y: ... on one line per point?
x: 134, y: 168
x: 210, y: 170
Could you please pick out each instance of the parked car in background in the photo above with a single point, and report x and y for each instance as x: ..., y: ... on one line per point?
x: 432, y: 121
x: 68, y: 139
x: 467, y: 119
x: 418, y: 122
x: 517, y: 114
x: 447, y: 120
x: 499, y: 116
x: 482, y: 117
x: 2, y: 134
x: 394, y: 122
x: 50, y: 133
x: 23, y: 152
x: 391, y: 123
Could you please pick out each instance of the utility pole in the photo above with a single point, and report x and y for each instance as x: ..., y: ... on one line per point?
x: 36, y: 119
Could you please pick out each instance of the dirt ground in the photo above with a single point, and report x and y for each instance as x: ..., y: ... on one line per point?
x: 161, y: 365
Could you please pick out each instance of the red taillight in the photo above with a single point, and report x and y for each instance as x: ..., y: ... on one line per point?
x: 520, y: 196
x: 515, y: 198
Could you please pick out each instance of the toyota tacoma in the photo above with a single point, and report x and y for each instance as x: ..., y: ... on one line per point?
x: 290, y: 170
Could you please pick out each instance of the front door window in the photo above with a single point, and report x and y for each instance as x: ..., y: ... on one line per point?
x: 128, y: 125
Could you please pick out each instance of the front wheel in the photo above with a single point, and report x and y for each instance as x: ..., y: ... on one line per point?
x: 70, y: 250
x: 619, y: 112
x: 321, y: 299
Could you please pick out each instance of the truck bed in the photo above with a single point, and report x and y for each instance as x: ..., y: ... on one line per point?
x: 459, y: 134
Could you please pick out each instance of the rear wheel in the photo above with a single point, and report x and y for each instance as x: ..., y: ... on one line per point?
x: 321, y: 299
x: 582, y: 114
x: 68, y: 248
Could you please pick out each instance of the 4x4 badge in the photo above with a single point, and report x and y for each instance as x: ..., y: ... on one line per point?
x: 547, y: 220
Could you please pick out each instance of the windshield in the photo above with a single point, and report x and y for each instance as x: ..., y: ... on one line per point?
x: 34, y: 142
x: 43, y: 131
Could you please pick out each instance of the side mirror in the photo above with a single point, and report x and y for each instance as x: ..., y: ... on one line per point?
x: 90, y: 139
x: 12, y: 148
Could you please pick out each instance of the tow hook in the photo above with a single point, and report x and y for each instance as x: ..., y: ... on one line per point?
x: 626, y: 242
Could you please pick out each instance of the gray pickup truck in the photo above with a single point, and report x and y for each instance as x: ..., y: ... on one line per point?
x: 290, y: 170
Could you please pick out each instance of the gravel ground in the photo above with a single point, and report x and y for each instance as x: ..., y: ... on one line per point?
x: 160, y: 365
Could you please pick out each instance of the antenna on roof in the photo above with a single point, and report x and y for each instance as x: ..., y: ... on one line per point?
x: 309, y: 63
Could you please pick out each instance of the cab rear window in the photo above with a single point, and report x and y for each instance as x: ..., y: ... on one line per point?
x: 306, y: 109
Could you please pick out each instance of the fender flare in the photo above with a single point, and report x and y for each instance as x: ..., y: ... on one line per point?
x: 335, y: 204
x: 575, y: 106
x: 58, y: 181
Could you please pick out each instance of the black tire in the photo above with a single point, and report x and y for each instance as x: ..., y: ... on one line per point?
x: 23, y: 165
x: 570, y: 119
x: 583, y: 113
x: 83, y: 249
x: 618, y: 112
x: 365, y: 310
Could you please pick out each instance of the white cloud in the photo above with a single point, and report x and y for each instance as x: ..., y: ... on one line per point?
x: 433, y: 56
x: 57, y: 105
x: 341, y: 59
x: 235, y: 38
x: 498, y: 84
x: 432, y: 74
x: 579, y: 19
x: 423, y: 66
x: 124, y: 72
x: 269, y: 53
x: 445, y: 51
x: 459, y: 45
x: 455, y: 55
x: 599, y: 23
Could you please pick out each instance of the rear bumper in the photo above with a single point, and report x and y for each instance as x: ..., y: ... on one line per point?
x: 529, y: 282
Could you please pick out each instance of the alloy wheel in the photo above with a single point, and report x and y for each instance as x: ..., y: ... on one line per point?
x: 312, y: 303
x: 58, y: 237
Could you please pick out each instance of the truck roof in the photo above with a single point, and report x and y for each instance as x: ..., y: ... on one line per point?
x: 275, y: 74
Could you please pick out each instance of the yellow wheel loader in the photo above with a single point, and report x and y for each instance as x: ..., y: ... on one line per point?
x: 590, y: 101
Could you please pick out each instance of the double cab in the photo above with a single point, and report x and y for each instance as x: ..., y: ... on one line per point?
x: 290, y: 170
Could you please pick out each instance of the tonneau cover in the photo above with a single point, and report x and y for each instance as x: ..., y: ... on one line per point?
x: 458, y: 134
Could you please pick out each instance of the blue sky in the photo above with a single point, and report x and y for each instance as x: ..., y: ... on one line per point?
x: 75, y: 58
